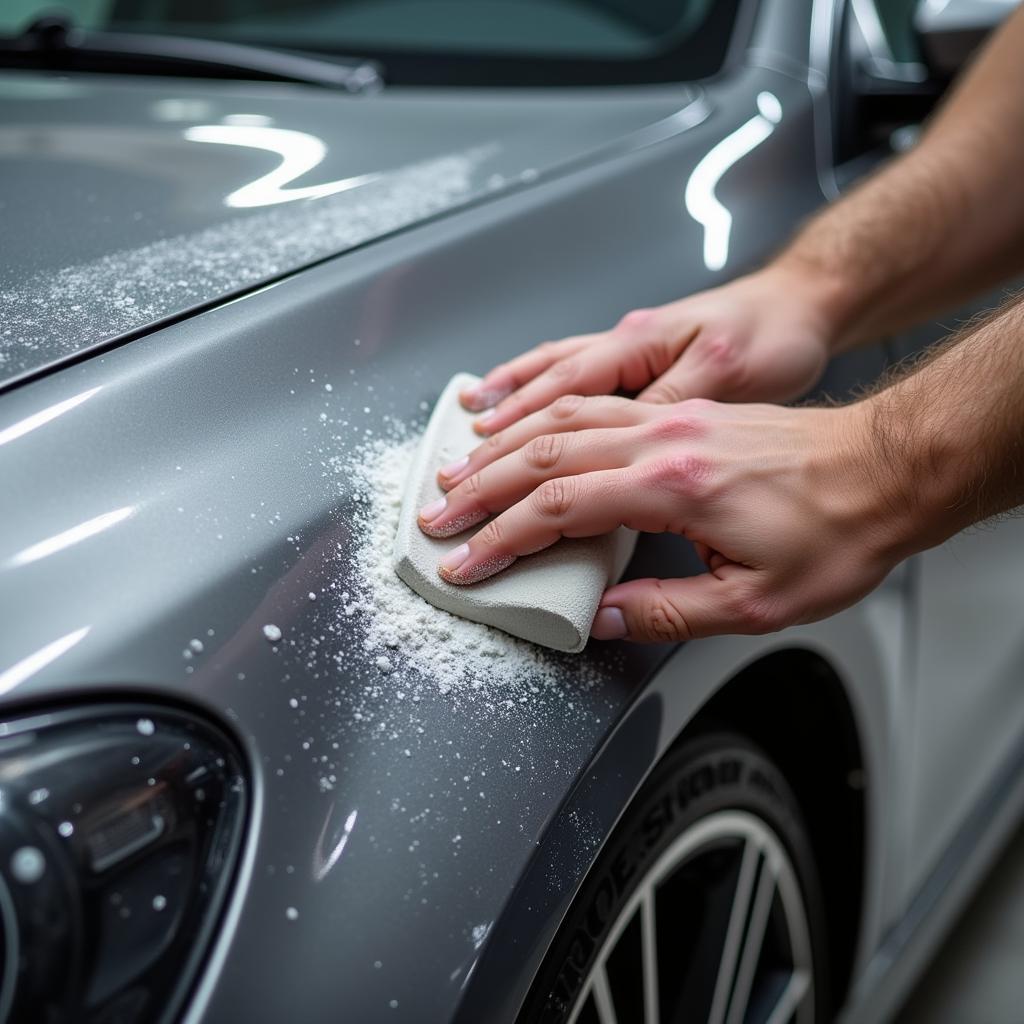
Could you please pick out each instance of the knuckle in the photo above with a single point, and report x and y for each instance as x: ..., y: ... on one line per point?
x: 567, y: 406
x: 471, y: 486
x: 492, y: 535
x: 495, y: 443
x: 662, y: 619
x: 688, y: 476
x: 635, y: 318
x: 544, y: 452
x: 679, y: 426
x: 723, y: 354
x: 555, y: 498
x: 564, y: 369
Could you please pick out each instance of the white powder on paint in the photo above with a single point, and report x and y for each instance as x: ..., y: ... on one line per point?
x: 404, y: 634
x: 52, y: 314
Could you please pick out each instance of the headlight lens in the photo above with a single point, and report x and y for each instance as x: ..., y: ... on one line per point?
x: 119, y: 833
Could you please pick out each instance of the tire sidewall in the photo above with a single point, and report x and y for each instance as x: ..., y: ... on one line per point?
x: 698, y: 778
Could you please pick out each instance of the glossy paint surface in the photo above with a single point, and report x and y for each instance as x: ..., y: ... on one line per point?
x: 127, y: 202
x: 197, y: 452
x: 190, y: 485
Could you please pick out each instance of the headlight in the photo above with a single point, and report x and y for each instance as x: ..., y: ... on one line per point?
x: 119, y: 833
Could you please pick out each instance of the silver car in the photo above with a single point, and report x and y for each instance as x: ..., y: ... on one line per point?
x: 245, y: 775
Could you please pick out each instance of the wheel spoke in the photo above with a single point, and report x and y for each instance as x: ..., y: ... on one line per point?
x: 650, y: 957
x: 762, y: 905
x: 734, y: 933
x: 747, y: 877
x: 603, y: 995
x: 797, y: 987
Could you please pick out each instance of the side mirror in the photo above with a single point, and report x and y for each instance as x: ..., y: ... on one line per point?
x: 951, y: 30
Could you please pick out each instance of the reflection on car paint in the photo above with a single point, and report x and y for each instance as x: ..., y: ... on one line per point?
x: 323, y: 862
x: 73, y: 535
x: 21, y: 670
x: 300, y: 152
x: 85, y: 304
x: 44, y: 416
x: 701, y: 202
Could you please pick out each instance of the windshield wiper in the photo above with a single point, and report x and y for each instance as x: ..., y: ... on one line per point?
x: 54, y: 44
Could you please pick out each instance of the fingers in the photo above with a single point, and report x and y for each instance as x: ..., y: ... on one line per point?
x: 568, y: 413
x: 573, y: 506
x: 504, y: 379
x: 670, y: 611
x: 710, y: 367
x: 501, y: 484
x: 599, y: 370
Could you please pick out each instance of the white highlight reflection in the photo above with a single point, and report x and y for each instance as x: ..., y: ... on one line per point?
x: 701, y: 202
x: 37, y: 419
x: 29, y: 666
x: 299, y: 151
x: 77, y: 533
x: 322, y: 864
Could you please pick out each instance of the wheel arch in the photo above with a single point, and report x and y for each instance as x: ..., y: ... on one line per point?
x: 835, y: 676
x: 792, y: 704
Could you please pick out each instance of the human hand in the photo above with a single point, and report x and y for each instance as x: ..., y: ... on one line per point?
x: 764, y: 337
x: 782, y: 505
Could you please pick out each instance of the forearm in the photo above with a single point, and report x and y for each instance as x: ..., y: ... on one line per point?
x: 945, y: 442
x: 935, y: 226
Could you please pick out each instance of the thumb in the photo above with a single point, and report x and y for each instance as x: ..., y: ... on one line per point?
x: 668, y: 611
x: 686, y: 379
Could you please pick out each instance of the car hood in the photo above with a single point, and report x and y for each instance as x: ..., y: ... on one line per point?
x: 129, y: 202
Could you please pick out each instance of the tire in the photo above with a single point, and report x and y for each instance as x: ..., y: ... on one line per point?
x: 714, y: 843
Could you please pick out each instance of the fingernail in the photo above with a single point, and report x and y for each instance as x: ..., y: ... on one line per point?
x: 433, y: 510
x: 455, y: 467
x: 474, y: 574
x: 454, y: 558
x: 481, y: 424
x: 609, y: 624
x: 477, y: 398
x: 474, y: 399
x: 453, y: 526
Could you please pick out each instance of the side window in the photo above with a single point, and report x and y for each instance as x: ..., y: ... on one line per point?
x: 896, y: 18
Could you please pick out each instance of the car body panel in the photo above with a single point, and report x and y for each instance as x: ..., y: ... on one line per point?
x: 191, y: 485
x: 190, y: 450
x: 140, y: 200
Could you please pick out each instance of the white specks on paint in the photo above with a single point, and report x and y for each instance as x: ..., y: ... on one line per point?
x: 145, y: 726
x: 292, y: 914
x: 57, y: 311
x: 272, y: 632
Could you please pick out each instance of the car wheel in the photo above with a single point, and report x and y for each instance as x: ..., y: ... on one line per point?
x: 704, y: 904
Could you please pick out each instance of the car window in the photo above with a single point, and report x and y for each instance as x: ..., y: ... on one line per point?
x: 897, y: 17
x: 444, y: 41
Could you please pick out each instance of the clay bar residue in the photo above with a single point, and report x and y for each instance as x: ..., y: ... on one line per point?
x: 57, y: 313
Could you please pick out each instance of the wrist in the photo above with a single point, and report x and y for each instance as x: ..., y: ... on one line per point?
x: 911, y: 472
x: 867, y: 490
x: 827, y: 297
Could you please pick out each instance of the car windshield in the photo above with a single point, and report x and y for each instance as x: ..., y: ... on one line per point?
x: 504, y: 42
